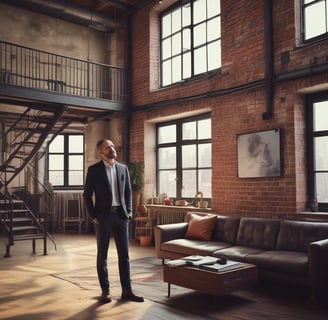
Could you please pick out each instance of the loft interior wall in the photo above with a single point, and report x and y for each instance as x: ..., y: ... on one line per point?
x: 235, y: 112
x: 37, y: 31
x: 49, y: 34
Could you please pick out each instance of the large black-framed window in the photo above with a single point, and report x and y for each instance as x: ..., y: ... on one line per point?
x: 190, y: 40
x: 184, y: 158
x: 66, y: 161
x: 317, y: 133
x: 314, y: 19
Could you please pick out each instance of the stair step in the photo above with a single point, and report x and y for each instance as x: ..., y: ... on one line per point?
x: 20, y: 237
x: 35, y: 130
x: 20, y: 219
x: 19, y: 157
x: 12, y: 201
x: 9, y: 169
x: 25, y: 228
x: 17, y: 211
x: 24, y: 143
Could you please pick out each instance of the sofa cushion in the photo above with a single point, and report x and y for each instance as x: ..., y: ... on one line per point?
x: 238, y: 253
x: 288, y: 262
x: 187, y: 247
x: 226, y: 228
x: 296, y: 235
x: 258, y: 232
x: 200, y: 228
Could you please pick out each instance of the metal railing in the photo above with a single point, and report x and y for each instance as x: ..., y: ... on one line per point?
x: 30, y: 68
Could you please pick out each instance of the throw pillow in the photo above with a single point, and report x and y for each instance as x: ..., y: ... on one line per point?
x: 200, y: 227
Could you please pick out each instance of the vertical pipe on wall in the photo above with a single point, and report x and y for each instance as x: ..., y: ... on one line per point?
x: 268, y: 59
x: 2, y: 142
x: 127, y: 114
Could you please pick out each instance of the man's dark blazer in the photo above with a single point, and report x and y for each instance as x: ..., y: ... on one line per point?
x: 97, y: 183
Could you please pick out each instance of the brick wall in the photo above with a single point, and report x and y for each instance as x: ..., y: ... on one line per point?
x: 237, y: 111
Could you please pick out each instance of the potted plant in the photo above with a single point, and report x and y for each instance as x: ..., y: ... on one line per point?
x: 136, y: 170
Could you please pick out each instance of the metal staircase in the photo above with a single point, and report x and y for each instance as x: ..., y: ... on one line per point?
x: 19, y: 223
x: 25, y: 134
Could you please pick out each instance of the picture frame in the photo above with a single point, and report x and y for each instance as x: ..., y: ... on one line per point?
x: 259, y: 154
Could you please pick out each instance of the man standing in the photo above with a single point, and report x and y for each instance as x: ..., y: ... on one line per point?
x: 111, y: 210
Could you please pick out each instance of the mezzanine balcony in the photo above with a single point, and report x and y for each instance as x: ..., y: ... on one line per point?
x: 34, y: 74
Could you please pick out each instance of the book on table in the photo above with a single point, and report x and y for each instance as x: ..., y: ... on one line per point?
x: 176, y: 263
x: 217, y: 267
x: 207, y: 260
x: 193, y: 260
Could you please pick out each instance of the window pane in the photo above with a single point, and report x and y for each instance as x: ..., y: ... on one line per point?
x: 321, y: 180
x: 189, y: 156
x: 75, y: 144
x: 200, y: 64
x: 67, y: 167
x: 321, y: 153
x: 186, y: 40
x: 166, y: 48
x: 166, y: 73
x: 167, y: 158
x: 213, y: 29
x: 213, y: 8
x: 192, y: 170
x: 176, y: 20
x: 186, y: 16
x: 189, y: 130
x: 75, y: 163
x: 167, y: 183
x: 204, y: 155
x: 189, y: 183
x: 204, y: 129
x: 199, y: 11
x: 176, y: 43
x: 167, y: 134
x: 320, y: 116
x: 56, y: 162
x: 176, y: 67
x: 57, y: 145
x: 75, y: 178
x: 186, y: 65
x: 315, y: 22
x: 214, y: 55
x: 166, y: 25
x: 205, y: 180
x: 56, y: 178
x: 200, y: 35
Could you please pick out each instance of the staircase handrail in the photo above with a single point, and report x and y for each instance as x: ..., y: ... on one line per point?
x: 51, y: 197
x: 36, y: 221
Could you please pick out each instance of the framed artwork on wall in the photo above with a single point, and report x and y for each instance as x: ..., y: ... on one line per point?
x: 259, y: 154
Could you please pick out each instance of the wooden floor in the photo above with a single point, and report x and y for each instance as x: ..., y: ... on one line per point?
x: 27, y: 291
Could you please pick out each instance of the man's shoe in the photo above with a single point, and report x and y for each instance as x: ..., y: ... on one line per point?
x: 128, y: 295
x: 105, y: 298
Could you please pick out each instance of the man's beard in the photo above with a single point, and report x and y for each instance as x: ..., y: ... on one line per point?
x: 111, y: 155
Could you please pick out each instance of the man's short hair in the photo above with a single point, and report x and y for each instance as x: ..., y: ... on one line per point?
x: 100, y: 142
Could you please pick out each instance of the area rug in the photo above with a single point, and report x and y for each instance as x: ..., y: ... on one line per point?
x: 261, y: 302
x: 146, y: 277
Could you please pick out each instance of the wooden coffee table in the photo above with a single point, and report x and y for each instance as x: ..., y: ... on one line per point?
x: 213, y: 283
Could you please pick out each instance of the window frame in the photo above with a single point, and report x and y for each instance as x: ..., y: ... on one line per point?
x: 66, y: 156
x: 179, y: 144
x: 311, y: 135
x: 304, y: 7
x: 190, y: 73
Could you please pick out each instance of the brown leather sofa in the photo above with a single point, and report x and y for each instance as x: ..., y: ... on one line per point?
x: 284, y: 250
